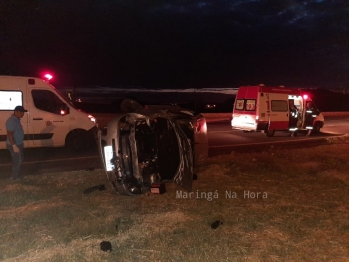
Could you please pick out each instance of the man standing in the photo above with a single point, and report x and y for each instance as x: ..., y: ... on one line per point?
x: 293, y: 118
x: 309, y: 117
x: 14, y: 141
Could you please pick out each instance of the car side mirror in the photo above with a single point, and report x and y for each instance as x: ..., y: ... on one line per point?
x: 64, y: 110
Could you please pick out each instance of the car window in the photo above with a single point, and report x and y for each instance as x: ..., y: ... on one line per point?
x: 239, y: 104
x: 47, y: 101
x: 251, y: 104
x: 279, y: 105
x: 10, y: 99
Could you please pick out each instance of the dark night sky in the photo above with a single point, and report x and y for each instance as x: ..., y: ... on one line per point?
x: 188, y: 43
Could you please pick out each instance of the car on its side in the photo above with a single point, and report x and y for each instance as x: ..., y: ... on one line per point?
x: 150, y: 145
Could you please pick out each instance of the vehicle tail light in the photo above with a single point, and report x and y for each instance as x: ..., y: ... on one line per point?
x: 200, y: 127
x: 204, y: 127
x: 197, y: 127
x: 108, y: 155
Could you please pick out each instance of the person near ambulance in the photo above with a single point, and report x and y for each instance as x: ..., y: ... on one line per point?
x: 14, y: 141
x: 309, y: 117
x: 294, y: 117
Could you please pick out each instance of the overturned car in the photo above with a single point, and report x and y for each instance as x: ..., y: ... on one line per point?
x: 147, y: 146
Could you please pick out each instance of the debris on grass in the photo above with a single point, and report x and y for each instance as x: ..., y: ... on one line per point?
x: 91, y: 189
x: 216, y: 224
x: 106, y: 246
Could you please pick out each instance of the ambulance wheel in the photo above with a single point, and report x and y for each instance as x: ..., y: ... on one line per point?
x: 316, y: 128
x: 270, y: 132
x: 294, y: 134
x: 78, y: 140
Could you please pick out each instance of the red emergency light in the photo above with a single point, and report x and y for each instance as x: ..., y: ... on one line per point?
x: 305, y: 96
x: 48, y: 77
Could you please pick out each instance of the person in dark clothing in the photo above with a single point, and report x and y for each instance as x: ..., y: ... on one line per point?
x: 293, y: 116
x: 309, y: 117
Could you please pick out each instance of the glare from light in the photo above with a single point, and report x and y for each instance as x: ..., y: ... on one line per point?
x: 48, y: 77
x: 92, y: 118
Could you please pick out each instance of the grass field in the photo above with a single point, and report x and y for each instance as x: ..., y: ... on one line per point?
x: 277, y: 205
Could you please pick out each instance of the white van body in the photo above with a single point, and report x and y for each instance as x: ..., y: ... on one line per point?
x: 51, y: 120
x: 267, y: 109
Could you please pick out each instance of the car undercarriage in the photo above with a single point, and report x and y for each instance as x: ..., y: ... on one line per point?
x: 140, y: 149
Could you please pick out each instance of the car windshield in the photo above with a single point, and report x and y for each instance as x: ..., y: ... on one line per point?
x: 64, y: 97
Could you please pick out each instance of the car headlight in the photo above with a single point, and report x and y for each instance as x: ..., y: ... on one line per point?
x: 108, y: 155
x: 92, y: 118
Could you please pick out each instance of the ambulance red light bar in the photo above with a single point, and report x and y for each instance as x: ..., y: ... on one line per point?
x: 47, y: 77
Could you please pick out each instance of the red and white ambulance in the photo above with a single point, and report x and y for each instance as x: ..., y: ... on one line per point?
x: 269, y: 109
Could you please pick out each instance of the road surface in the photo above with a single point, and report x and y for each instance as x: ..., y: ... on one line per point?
x: 221, y: 140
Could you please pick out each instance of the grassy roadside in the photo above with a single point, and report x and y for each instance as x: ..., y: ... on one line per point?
x: 278, y: 205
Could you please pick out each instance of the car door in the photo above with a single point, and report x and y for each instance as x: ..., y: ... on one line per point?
x: 46, y: 119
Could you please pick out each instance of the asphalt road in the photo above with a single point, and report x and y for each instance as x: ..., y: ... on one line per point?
x: 221, y: 140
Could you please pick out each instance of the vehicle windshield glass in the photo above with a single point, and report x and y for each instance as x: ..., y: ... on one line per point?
x: 64, y: 97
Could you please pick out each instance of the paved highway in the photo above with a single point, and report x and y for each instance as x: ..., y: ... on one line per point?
x: 221, y: 140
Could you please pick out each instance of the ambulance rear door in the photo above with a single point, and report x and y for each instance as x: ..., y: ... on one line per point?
x: 245, y: 109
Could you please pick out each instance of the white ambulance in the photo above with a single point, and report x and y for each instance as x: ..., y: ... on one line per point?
x: 51, y: 120
x: 268, y: 109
